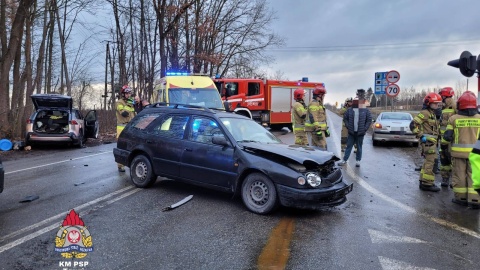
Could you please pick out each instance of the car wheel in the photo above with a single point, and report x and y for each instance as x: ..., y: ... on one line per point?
x: 259, y: 194
x: 415, y: 144
x: 375, y: 143
x: 141, y: 172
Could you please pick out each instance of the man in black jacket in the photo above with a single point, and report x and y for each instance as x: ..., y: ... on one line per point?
x: 358, y: 120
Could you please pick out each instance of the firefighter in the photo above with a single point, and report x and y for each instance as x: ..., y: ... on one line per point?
x: 448, y: 109
x: 125, y: 112
x: 427, y: 128
x: 462, y: 132
x: 344, y: 134
x: 318, y: 118
x: 299, y: 115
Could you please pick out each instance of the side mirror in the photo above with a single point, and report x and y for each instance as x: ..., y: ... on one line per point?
x: 220, y: 140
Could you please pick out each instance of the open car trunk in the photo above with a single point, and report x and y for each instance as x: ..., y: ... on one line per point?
x: 51, y: 122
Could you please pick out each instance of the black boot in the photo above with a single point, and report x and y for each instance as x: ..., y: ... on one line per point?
x: 445, y: 182
x: 432, y: 188
x: 460, y: 202
x: 435, y: 167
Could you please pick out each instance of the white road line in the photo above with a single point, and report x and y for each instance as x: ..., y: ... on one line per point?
x: 400, y: 205
x: 78, y: 208
x: 57, y: 225
x: 49, y: 164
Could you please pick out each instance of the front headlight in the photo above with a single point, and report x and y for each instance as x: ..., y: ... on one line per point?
x: 313, y: 179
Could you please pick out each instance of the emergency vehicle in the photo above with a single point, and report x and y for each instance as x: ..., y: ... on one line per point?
x: 185, y: 88
x: 268, y: 102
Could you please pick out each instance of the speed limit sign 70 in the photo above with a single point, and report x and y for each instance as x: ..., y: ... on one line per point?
x: 392, y: 90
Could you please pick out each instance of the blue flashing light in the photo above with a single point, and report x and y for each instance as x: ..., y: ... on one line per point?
x: 305, y: 79
x: 176, y: 73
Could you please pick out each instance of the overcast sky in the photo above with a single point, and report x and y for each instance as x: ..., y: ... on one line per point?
x: 344, y: 42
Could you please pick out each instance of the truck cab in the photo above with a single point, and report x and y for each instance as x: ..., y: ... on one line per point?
x: 183, y: 88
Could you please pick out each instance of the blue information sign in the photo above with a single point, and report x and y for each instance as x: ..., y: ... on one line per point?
x: 380, y: 82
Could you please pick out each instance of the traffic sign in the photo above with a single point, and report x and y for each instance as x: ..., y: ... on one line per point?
x: 392, y: 90
x: 380, y: 82
x: 393, y: 76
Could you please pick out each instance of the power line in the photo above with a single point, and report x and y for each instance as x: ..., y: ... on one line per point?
x: 363, y: 47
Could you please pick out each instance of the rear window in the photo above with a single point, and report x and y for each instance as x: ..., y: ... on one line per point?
x: 396, y: 116
x: 171, y: 126
x: 142, y: 121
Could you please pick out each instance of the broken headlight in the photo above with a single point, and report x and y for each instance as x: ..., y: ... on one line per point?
x: 313, y: 179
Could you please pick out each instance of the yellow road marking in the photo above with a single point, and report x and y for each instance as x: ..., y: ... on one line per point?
x: 276, y: 252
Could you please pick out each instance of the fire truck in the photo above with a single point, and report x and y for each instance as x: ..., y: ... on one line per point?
x: 268, y: 102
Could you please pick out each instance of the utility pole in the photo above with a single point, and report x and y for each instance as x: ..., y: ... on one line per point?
x: 107, y: 54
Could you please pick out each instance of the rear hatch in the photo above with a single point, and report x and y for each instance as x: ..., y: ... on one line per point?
x: 52, y: 101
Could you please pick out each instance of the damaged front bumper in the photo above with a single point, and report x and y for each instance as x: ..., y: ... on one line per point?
x: 314, y: 198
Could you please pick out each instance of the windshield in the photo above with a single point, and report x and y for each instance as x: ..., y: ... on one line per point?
x: 247, y: 130
x: 206, y: 97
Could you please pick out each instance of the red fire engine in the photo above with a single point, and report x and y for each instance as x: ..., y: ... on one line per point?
x: 268, y: 102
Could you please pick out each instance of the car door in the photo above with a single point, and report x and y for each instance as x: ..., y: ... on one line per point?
x: 166, y: 138
x: 91, y: 125
x: 202, y: 160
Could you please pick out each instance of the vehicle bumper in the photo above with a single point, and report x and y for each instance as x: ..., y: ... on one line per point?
x: 121, y: 156
x: 314, y: 198
x: 70, y: 137
x: 387, y: 137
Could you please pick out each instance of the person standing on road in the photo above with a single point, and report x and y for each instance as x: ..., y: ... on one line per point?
x: 462, y: 131
x: 318, y: 118
x: 358, y: 120
x: 448, y: 109
x: 344, y: 134
x: 125, y: 113
x: 426, y: 127
x: 299, y: 115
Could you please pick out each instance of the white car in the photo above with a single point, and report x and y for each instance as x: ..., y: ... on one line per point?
x: 393, y: 127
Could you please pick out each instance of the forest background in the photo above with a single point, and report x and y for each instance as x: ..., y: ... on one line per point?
x: 41, y: 51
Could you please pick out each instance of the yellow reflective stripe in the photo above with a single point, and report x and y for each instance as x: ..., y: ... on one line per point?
x: 461, y: 149
x: 461, y: 123
x: 122, y: 107
x: 428, y: 176
x: 472, y: 191
x: 449, y: 127
x: 448, y: 111
x: 315, y: 108
x: 460, y: 190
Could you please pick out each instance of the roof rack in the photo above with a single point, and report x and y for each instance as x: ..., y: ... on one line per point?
x: 183, y: 106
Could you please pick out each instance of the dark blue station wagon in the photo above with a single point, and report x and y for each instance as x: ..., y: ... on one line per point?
x: 230, y: 153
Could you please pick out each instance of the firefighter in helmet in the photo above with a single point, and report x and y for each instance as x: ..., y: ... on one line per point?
x: 462, y: 132
x: 426, y: 127
x: 448, y: 109
x: 299, y: 115
x: 125, y: 111
x: 318, y: 118
x: 344, y: 134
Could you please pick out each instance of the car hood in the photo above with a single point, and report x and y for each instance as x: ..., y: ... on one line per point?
x: 298, y: 153
x: 51, y: 101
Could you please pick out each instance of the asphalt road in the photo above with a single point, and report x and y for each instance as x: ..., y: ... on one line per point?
x: 387, y: 222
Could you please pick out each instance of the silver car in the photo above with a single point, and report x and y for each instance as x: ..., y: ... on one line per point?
x: 55, y: 121
x: 393, y: 127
